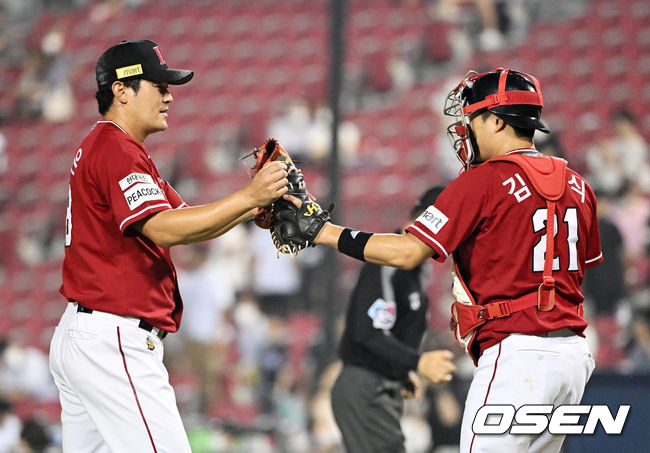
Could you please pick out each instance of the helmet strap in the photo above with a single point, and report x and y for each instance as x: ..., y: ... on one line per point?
x: 503, y: 97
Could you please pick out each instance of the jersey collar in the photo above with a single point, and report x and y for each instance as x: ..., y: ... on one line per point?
x: 111, y: 122
x: 526, y: 151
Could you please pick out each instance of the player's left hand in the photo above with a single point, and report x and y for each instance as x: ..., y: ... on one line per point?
x: 296, y: 218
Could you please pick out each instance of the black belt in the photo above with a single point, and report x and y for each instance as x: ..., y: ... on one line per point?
x: 143, y: 324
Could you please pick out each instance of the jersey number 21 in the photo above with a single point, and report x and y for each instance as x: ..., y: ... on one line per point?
x: 539, y: 250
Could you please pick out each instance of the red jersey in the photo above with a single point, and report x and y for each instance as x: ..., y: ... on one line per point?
x: 109, y: 266
x: 494, y: 223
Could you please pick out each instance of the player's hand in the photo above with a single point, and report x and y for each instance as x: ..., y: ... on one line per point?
x: 268, y: 184
x: 415, y: 389
x: 297, y: 202
x: 437, y: 365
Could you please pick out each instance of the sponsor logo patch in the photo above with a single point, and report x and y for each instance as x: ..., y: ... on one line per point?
x: 150, y: 344
x: 128, y: 71
x: 433, y: 219
x: 383, y: 314
x: 134, y: 178
x: 141, y: 193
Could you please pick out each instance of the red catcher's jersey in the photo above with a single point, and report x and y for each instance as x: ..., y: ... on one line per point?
x: 494, y: 223
x: 108, y: 266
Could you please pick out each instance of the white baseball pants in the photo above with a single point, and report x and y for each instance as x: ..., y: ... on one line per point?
x: 526, y: 369
x: 113, y: 387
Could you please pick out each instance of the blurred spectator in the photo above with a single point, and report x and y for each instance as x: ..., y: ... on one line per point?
x: 30, y: 246
x: 10, y: 427
x: 252, y: 331
x: 325, y: 433
x: 43, y: 88
x: 632, y: 149
x: 631, y: 213
x: 445, y: 400
x: 25, y: 373
x: 275, y: 279
x: 231, y: 258
x: 614, y: 162
x: 401, y: 70
x: 490, y: 37
x: 319, y: 138
x: 30, y: 88
x: 498, y: 20
x: 415, y: 426
x: 291, y: 128
x: 290, y: 410
x: 638, y: 347
x: 58, y: 99
x: 445, y: 415
x: 205, y: 330
x: 34, y: 437
x: 307, y: 134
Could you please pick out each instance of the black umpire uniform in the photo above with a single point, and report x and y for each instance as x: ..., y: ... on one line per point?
x: 386, y: 320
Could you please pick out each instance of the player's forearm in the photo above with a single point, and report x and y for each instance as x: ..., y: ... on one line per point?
x: 198, y: 223
x: 396, y: 250
x: 246, y: 216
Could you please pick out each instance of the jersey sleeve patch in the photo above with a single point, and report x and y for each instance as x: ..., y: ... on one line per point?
x: 141, y: 193
x: 383, y: 314
x: 135, y: 178
x: 433, y: 219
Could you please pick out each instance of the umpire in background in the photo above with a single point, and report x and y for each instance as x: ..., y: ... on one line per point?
x: 385, y: 323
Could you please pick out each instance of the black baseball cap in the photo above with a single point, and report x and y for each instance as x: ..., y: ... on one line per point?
x: 137, y: 59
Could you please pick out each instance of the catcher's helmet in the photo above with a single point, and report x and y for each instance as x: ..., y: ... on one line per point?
x: 513, y: 96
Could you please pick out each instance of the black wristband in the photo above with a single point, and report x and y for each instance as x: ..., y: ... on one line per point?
x: 353, y: 242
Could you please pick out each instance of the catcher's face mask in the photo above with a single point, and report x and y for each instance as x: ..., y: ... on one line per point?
x: 459, y: 133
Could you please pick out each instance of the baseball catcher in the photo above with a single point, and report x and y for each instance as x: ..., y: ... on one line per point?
x: 292, y: 228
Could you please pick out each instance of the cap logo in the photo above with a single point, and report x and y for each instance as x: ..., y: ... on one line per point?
x: 129, y: 71
x: 159, y: 53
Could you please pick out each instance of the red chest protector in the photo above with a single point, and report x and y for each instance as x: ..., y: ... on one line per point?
x: 548, y: 177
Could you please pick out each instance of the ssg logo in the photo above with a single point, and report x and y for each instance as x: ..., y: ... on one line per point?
x: 312, y: 208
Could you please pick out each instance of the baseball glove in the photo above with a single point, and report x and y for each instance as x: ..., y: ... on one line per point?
x: 292, y: 228
x: 270, y: 151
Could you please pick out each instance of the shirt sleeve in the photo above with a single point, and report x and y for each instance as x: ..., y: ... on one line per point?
x: 456, y: 214
x: 134, y: 189
x: 375, y: 317
x: 172, y: 196
x: 594, y: 253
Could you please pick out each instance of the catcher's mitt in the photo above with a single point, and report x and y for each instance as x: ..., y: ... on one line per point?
x: 270, y: 151
x: 292, y: 228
